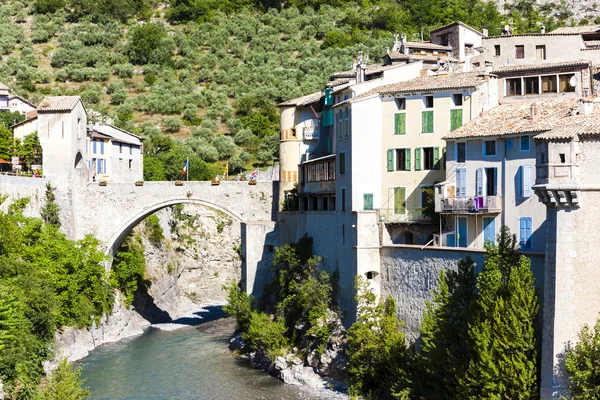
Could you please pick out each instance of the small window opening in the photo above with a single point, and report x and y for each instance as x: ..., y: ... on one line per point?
x: 562, y: 158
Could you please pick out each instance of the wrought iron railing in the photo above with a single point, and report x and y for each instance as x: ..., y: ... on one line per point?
x: 476, y: 204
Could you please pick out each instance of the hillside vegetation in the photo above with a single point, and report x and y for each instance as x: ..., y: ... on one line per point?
x: 201, y: 78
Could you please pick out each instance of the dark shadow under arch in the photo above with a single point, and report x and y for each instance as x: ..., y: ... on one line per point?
x: 78, y: 160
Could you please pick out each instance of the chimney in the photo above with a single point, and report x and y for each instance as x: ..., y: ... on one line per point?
x: 467, y: 66
x: 488, y: 68
x: 485, y: 32
x: 403, y: 48
x: 586, y: 106
x: 543, y: 30
x: 533, y: 110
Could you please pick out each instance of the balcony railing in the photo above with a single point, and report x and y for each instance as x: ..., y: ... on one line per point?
x: 405, y: 217
x: 477, y: 204
x: 311, y: 132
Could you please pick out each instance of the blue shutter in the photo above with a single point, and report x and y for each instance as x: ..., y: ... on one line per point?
x: 94, y: 141
x: 489, y: 229
x: 102, y: 146
x: 525, y: 231
x: 526, y: 180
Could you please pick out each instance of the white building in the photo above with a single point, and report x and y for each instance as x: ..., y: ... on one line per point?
x: 13, y: 103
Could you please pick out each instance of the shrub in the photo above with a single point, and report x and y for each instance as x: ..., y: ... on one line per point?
x: 154, y: 230
x: 581, y: 362
x: 123, y: 70
x: 239, y: 305
x: 224, y: 146
x: 244, y: 137
x: 172, y: 124
x: 265, y: 333
x: 65, y: 383
x: 128, y: 269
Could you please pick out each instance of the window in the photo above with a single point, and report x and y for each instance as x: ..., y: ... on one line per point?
x: 342, y: 163
x: 315, y: 201
x: 102, y: 146
x: 444, y: 39
x: 489, y: 148
x: 401, y: 103
x: 549, y: 84
x: 78, y: 128
x: 339, y: 124
x: 564, y: 84
x: 120, y: 147
x: 461, y: 152
x: 402, y: 159
x: 305, y: 203
x: 540, y: 52
x: 368, y: 201
x: 497, y: 49
x: 491, y: 176
x: 525, y: 239
x: 489, y: 230
x: 562, y: 158
x: 130, y: 149
x: 130, y: 164
x: 400, y: 124
x: 457, y: 99
x: 525, y: 144
x: 399, y: 200
x: 532, y: 85
x: 519, y: 51
x: 343, y: 200
x: 325, y: 202
x: 94, y: 141
x: 346, y: 123
x: 456, y: 119
x: 509, y: 143
x: 431, y: 158
x: 427, y: 101
x: 525, y: 178
x: 513, y: 87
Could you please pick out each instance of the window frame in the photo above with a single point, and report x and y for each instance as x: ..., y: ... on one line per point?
x: 484, y: 148
x: 519, y: 55
x: 342, y: 165
x: 407, y: 159
x: 497, y: 51
x: 457, y: 156
x: 528, y: 149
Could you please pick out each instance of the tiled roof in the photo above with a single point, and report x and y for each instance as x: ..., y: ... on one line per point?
x: 456, y: 23
x: 370, y: 70
x: 394, y: 55
x: 427, y: 45
x: 577, y: 29
x: 59, y: 103
x: 515, y: 118
x: 25, y: 121
x: 338, y: 82
x: 581, y: 128
x: 462, y: 80
x: 538, y: 67
x: 303, y: 100
x: 3, y: 86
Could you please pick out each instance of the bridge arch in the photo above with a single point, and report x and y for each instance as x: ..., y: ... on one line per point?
x: 119, y: 236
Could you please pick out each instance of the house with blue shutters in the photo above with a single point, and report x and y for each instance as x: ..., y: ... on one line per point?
x: 490, y: 173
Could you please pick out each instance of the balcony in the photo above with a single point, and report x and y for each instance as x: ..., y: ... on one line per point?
x: 471, y: 205
x: 317, y: 176
x: 554, y: 172
x: 311, y: 133
x: 390, y: 215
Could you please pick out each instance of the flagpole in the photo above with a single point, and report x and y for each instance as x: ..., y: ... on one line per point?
x: 187, y: 171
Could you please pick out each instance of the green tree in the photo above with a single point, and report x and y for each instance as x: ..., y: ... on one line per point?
x: 581, y: 362
x: 444, y: 355
x: 377, y: 348
x: 503, y: 335
x: 65, y: 383
x: 128, y: 269
x: 50, y: 210
x: 145, y: 44
x: 31, y: 150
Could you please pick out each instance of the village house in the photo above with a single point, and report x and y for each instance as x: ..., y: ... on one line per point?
x: 13, y: 103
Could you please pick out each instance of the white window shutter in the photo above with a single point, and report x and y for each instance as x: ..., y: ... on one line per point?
x: 481, y: 184
x: 461, y: 182
x: 526, y: 181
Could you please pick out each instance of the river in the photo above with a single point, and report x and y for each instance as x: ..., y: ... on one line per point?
x: 189, y: 363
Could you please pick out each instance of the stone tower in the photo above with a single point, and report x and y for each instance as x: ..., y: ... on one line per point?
x: 568, y: 183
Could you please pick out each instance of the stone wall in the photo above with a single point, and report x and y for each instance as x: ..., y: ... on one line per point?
x: 409, y: 274
x: 17, y: 187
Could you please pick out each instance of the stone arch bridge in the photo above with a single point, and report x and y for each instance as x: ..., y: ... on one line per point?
x: 111, y: 212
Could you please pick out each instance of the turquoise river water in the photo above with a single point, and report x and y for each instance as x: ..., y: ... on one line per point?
x: 189, y: 363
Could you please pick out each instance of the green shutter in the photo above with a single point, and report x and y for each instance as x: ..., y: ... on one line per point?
x: 436, y: 158
x: 456, y: 119
x: 342, y: 163
x: 427, y: 122
x: 399, y: 200
x: 328, y: 97
x: 407, y: 162
x: 400, y: 124
x: 444, y: 157
x: 418, y: 159
x: 368, y: 201
x: 390, y: 160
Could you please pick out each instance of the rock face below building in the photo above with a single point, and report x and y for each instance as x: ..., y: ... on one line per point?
x: 200, y: 253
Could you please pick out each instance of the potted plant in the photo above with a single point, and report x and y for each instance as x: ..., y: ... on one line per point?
x: 252, y: 182
x: 215, y: 182
x: 178, y: 183
x: 139, y: 183
x: 103, y: 183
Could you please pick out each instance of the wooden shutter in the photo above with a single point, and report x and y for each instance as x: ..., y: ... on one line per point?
x: 427, y: 122
x: 399, y: 200
x: 525, y: 228
x: 456, y: 119
x: 436, y: 158
x: 461, y: 182
x: 396, y: 124
x: 401, y: 124
x: 418, y: 151
x: 444, y: 157
x: 368, y: 201
x: 390, y: 160
x: 526, y: 180
x: 407, y: 166
x: 342, y: 163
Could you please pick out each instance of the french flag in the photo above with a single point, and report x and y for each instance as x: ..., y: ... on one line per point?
x: 185, y: 167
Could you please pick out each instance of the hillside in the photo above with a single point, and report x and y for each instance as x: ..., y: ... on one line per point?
x: 201, y: 79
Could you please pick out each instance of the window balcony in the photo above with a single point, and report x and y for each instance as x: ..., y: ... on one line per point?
x: 471, y: 205
x: 390, y: 215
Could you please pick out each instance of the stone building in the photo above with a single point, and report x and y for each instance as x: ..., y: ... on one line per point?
x: 13, y: 103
